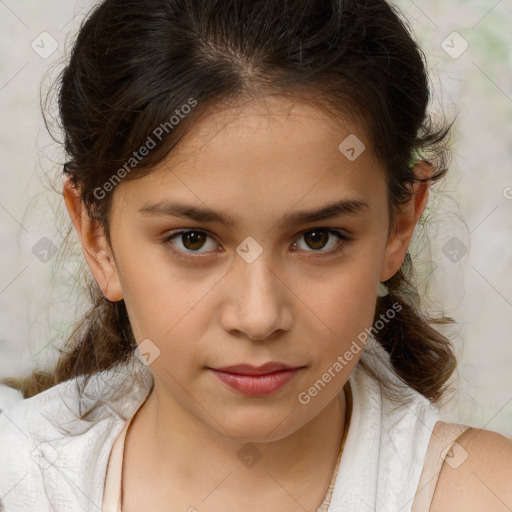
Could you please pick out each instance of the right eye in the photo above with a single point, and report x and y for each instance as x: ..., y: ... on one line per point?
x: 189, y: 242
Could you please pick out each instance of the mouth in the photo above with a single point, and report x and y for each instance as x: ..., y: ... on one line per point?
x: 264, y: 369
x: 256, y: 380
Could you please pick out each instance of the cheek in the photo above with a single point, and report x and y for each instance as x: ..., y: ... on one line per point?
x: 168, y: 310
x: 344, y: 303
x: 154, y: 288
x: 166, y: 305
x: 344, y: 297
x: 344, y: 307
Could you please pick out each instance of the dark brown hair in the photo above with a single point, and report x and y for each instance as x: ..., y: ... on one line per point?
x: 135, y: 64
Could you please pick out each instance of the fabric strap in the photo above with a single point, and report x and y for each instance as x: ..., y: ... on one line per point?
x: 112, y: 495
x: 443, y: 446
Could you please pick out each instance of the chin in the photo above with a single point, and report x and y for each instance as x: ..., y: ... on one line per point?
x: 257, y: 428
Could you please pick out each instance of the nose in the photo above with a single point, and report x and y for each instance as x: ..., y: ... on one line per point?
x: 258, y: 302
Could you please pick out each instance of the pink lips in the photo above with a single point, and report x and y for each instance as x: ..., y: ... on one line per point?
x: 256, y: 380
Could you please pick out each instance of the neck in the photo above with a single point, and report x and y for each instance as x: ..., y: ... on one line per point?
x: 171, y: 445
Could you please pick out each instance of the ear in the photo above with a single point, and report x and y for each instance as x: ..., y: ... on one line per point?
x: 406, y: 219
x: 94, y: 244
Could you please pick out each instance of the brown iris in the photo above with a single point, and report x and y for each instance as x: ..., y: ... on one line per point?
x: 193, y: 240
x: 319, y: 238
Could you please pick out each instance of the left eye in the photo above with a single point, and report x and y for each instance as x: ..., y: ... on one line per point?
x: 316, y: 239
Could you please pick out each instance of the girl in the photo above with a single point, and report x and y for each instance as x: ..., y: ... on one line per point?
x: 245, y: 179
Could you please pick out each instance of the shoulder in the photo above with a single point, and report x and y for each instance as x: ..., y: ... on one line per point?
x: 25, y: 422
x: 46, y: 448
x: 481, y: 478
x: 20, y: 482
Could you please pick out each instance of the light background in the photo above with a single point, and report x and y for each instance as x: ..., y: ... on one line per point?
x: 472, y: 211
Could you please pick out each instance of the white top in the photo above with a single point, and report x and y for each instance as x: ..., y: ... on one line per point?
x: 44, y: 468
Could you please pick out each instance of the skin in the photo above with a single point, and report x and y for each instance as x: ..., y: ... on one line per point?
x: 483, y: 481
x: 211, y: 308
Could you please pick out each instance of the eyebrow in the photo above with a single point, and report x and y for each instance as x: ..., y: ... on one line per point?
x: 200, y: 214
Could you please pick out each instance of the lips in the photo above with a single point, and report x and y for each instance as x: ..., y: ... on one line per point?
x: 247, y: 369
x: 256, y: 381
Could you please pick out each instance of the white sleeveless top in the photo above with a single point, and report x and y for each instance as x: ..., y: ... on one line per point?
x: 383, y: 455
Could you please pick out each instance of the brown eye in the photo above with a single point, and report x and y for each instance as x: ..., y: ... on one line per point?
x: 193, y: 240
x: 316, y: 239
x: 190, y: 241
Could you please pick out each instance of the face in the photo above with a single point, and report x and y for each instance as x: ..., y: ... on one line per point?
x: 270, y: 285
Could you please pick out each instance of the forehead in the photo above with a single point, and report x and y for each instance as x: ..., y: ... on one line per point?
x: 272, y: 120
x: 274, y: 150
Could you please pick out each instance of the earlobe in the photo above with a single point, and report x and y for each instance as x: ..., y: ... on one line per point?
x: 406, y: 219
x: 94, y: 244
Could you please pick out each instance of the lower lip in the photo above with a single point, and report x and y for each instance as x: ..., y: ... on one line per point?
x: 257, y: 385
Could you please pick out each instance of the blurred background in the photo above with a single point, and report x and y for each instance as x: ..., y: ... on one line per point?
x: 463, y: 249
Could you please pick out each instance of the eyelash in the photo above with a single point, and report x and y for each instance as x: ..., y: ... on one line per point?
x: 343, y: 240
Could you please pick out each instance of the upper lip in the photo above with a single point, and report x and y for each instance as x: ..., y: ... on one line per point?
x: 247, y: 369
